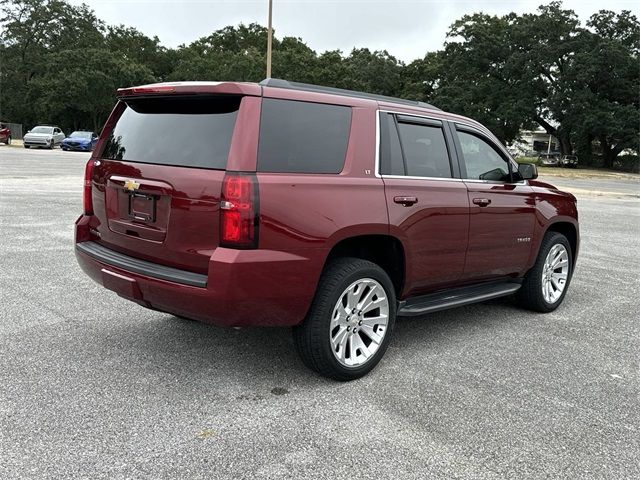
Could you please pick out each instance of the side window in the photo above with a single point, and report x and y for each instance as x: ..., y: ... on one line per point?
x: 425, y: 150
x: 302, y: 137
x: 481, y: 159
x: 391, y: 162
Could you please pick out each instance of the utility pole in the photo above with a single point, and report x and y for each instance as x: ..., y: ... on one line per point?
x: 269, y: 39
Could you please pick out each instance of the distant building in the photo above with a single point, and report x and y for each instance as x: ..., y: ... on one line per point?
x: 538, y: 141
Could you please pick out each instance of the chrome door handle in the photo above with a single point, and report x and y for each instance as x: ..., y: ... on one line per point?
x: 482, y: 202
x: 405, y: 201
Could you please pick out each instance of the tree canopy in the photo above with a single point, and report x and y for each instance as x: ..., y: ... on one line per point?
x: 579, y: 82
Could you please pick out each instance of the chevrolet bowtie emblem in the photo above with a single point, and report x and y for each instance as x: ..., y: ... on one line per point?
x: 131, y: 185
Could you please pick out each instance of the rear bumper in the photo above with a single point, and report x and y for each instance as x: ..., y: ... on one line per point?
x: 242, y: 287
x: 142, y: 267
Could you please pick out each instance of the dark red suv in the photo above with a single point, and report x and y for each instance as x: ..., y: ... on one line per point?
x: 330, y: 211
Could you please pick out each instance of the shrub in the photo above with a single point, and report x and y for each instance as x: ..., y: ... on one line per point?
x: 627, y: 163
x: 528, y: 160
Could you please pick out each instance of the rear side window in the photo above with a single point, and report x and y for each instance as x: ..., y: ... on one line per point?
x: 425, y: 150
x: 302, y: 137
x: 192, y: 131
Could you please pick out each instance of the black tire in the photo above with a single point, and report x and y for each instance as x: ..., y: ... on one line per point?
x: 530, y: 295
x: 51, y: 145
x: 311, y: 338
x: 27, y: 146
x: 8, y: 141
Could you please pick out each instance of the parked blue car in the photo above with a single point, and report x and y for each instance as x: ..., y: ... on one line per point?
x: 80, y: 140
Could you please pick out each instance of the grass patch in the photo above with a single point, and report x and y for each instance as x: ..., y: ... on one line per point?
x: 527, y: 160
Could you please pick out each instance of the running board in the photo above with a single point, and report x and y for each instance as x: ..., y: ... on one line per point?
x: 456, y: 297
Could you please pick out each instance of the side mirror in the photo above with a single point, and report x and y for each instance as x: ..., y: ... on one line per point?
x: 529, y: 171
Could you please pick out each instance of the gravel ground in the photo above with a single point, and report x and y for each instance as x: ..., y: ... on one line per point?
x: 93, y: 386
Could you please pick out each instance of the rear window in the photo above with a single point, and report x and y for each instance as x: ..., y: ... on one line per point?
x: 302, y: 137
x: 191, y: 131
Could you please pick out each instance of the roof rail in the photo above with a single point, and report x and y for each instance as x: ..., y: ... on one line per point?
x: 307, y: 87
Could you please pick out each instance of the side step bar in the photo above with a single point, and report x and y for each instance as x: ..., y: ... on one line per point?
x: 456, y: 297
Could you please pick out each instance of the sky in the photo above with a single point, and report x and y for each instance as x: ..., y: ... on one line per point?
x: 407, y: 29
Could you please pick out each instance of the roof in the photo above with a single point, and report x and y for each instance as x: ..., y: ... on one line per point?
x: 246, y: 88
x: 307, y: 87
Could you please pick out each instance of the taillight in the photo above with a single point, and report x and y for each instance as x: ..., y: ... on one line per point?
x: 239, y: 211
x: 86, y: 192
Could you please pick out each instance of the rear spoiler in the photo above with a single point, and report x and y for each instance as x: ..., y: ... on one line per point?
x: 186, y: 88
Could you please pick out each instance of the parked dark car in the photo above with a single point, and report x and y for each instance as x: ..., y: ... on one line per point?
x: 325, y: 210
x: 569, y: 161
x: 5, y: 134
x: 80, y: 140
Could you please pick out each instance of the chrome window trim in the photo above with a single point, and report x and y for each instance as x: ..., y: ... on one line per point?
x: 376, y: 166
x: 431, y: 117
x: 407, y: 177
x: 493, y: 182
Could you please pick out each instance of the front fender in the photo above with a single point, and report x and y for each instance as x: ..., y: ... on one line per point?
x: 552, y: 207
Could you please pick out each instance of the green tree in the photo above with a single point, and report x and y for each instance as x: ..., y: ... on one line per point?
x: 479, y: 74
x: 294, y: 61
x: 331, y: 70
x: 421, y: 78
x: 134, y: 46
x: 375, y: 72
x: 550, y: 40
x: 231, y: 53
x: 77, y: 88
x: 33, y: 29
x: 605, y: 85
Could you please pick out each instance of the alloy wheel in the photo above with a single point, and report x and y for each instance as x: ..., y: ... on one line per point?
x: 555, y: 273
x: 359, y: 322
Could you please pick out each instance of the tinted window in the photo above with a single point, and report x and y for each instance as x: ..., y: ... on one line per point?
x: 42, y: 130
x: 183, y: 131
x: 391, y: 162
x: 481, y: 159
x: 85, y: 135
x: 425, y: 151
x: 301, y: 137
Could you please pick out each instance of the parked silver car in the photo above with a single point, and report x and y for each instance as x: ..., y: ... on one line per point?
x: 549, y: 159
x: 43, y: 136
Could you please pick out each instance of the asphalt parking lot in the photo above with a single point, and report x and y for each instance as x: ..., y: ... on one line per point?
x: 93, y: 386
